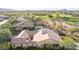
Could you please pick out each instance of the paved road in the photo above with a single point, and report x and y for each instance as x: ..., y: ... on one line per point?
x: 3, y: 22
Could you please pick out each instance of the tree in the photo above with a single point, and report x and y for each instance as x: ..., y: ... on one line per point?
x: 50, y: 16
x: 6, y: 25
x: 67, y: 43
x: 5, y: 35
x: 12, y: 19
x: 5, y: 45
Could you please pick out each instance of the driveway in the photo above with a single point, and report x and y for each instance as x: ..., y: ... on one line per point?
x: 3, y: 22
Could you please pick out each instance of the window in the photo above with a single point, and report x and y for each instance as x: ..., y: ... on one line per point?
x: 55, y: 45
x: 31, y: 38
x: 14, y: 45
x: 21, y: 45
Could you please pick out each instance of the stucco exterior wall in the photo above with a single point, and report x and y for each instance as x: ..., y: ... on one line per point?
x: 48, y: 41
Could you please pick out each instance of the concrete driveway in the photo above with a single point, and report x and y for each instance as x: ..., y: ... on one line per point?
x: 3, y: 22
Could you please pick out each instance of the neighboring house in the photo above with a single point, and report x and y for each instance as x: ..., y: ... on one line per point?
x: 23, y: 24
x: 67, y: 26
x: 57, y: 24
x: 20, y: 19
x: 48, y: 23
x: 23, y: 39
x: 76, y: 34
x: 62, y: 25
x: 2, y: 17
x: 46, y: 36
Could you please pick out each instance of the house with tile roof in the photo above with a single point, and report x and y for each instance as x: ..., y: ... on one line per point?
x: 23, y: 24
x: 23, y: 39
x: 46, y: 36
x: 36, y: 38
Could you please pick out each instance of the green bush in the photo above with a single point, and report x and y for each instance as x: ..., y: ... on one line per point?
x: 5, y: 35
x: 67, y: 43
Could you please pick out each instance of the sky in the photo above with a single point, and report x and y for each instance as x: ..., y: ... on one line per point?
x: 38, y: 4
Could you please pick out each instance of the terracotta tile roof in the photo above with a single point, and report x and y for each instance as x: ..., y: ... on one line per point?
x: 23, y: 37
x: 19, y: 40
x: 45, y: 34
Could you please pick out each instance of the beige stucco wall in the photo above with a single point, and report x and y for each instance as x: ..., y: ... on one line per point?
x: 48, y: 41
x: 16, y: 45
x: 24, y: 45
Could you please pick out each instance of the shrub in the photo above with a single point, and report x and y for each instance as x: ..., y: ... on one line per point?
x: 67, y: 43
x: 5, y: 35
